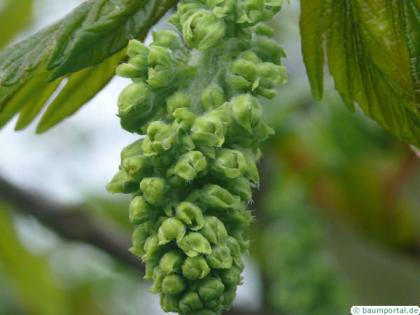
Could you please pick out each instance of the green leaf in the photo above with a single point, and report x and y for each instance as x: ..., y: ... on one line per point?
x: 15, y: 15
x: 82, y: 47
x: 40, y: 292
x: 373, y: 50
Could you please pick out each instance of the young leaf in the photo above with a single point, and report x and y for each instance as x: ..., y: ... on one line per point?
x: 373, y: 55
x: 90, y: 35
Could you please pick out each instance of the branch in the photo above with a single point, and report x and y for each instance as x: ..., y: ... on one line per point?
x: 72, y: 223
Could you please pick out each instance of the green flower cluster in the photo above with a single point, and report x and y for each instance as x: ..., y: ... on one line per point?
x: 194, y: 97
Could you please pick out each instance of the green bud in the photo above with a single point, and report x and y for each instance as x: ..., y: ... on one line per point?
x: 154, y: 189
x: 268, y: 49
x: 250, y: 12
x: 169, y: 303
x: 241, y: 187
x: 135, y: 106
x: 184, y: 118
x: 214, y: 230
x: 231, y: 277
x: 194, y: 244
x: 190, y: 302
x: 195, y: 268
x: 264, y: 30
x: 122, y: 183
x: 208, y: 130
x: 166, y: 38
x: 127, y: 70
x: 177, y: 100
x: 190, y: 165
x: 139, y: 236
x: 235, y: 249
x: 171, y: 262
x: 160, y: 137
x: 173, y: 285
x: 158, y: 277
x: 228, y: 297
x: 230, y: 163
x: 220, y: 258
x: 212, y: 97
x: 204, y: 312
x: 133, y: 149
x: 135, y: 166
x: 210, y: 289
x: 245, y: 68
x: 151, y: 248
x: 136, y: 48
x: 203, y: 30
x: 191, y: 215
x: 246, y: 111
x: 171, y: 229
x: 216, y: 197
x: 238, y: 82
x: 271, y: 74
x: 160, y: 76
x: 140, y: 211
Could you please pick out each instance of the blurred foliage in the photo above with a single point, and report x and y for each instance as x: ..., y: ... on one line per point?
x: 301, y: 276
x: 15, y: 15
x: 29, y: 275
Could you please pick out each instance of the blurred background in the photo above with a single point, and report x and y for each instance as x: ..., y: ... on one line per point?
x: 338, y: 210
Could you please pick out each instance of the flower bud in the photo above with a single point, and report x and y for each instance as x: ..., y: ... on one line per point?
x: 250, y: 12
x: 173, y: 285
x: 184, y: 118
x: 166, y: 38
x: 220, y: 258
x: 154, y: 189
x: 136, y: 48
x: 268, y: 49
x: 194, y: 244
x: 216, y: 197
x: 135, y: 166
x: 140, y: 211
x: 191, y: 215
x: 190, y: 165
x: 171, y: 262
x: 138, y: 239
x: 171, y: 229
x: 231, y: 277
x: 179, y: 99
x: 190, y: 302
x: 151, y: 245
x: 210, y: 288
x: 195, y: 268
x: 203, y: 30
x: 127, y: 70
x: 135, y: 106
x: 121, y: 183
x: 228, y: 297
x: 169, y: 303
x: 271, y: 74
x: 208, y: 130
x: 158, y: 277
x: 241, y: 187
x: 214, y: 230
x: 160, y: 137
x: 212, y: 97
x: 205, y: 312
x: 264, y: 30
x: 245, y: 68
x: 230, y: 163
x: 246, y: 111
